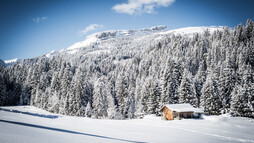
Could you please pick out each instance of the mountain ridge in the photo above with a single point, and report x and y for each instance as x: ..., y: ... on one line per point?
x: 156, y: 30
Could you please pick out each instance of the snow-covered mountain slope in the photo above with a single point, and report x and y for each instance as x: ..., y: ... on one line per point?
x: 89, y: 40
x: 52, y: 53
x: 191, y: 30
x: 102, y: 36
x: 101, y: 39
x: 22, y: 124
x: 12, y: 61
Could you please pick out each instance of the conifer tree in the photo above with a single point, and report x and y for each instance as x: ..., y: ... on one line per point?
x: 239, y: 104
x: 186, y: 93
x: 210, y: 99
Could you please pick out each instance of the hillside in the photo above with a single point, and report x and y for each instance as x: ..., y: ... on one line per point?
x: 127, y: 73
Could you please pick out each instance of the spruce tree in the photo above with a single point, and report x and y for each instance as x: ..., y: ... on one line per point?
x: 210, y: 99
x: 186, y: 93
x: 239, y: 104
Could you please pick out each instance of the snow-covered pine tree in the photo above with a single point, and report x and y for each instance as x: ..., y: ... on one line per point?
x: 25, y: 95
x: 248, y: 86
x: 131, y: 92
x: 33, y: 84
x: 199, y: 80
x: 145, y: 92
x: 210, y: 99
x: 186, y: 93
x: 65, y: 88
x: 131, y: 110
x: 121, y: 93
x: 151, y: 96
x: 111, y: 111
x: 89, y: 110
x: 138, y: 98
x: 53, y: 102
x: 2, y: 88
x: 239, y: 104
x: 226, y: 84
x: 99, y: 99
x: 171, y: 80
x: 151, y: 101
x: 250, y: 93
x: 157, y: 92
x: 249, y: 28
x: 79, y: 98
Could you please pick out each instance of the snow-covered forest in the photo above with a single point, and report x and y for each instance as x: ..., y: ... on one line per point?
x: 123, y: 77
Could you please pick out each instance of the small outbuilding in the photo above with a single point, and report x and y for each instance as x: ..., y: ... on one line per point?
x: 179, y: 111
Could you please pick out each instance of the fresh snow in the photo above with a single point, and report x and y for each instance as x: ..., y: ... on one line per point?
x: 50, y: 54
x: 89, y: 40
x: 191, y: 30
x: 22, y: 124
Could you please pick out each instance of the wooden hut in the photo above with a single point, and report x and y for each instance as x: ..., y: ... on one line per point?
x: 179, y: 111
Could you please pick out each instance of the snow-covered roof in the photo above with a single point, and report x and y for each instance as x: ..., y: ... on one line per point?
x: 186, y: 107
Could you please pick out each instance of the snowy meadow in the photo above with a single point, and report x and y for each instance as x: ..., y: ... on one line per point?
x: 22, y: 124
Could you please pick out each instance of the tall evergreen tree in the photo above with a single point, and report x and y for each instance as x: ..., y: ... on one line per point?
x: 210, y: 99
x: 121, y: 93
x: 239, y: 104
x: 186, y: 93
x: 226, y: 84
x: 170, y: 82
x: 99, y: 99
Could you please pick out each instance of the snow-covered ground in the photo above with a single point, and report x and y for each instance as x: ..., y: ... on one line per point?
x: 191, y: 30
x: 26, y: 124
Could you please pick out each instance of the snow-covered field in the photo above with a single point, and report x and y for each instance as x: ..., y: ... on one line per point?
x: 26, y: 124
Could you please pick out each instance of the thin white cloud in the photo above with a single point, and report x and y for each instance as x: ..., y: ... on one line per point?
x: 91, y: 27
x: 39, y: 19
x: 139, y: 7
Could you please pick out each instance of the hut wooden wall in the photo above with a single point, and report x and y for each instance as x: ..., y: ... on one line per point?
x: 167, y: 114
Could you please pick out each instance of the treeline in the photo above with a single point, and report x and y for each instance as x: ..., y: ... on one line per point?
x: 213, y: 71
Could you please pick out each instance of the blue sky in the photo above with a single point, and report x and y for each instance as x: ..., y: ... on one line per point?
x: 30, y: 28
